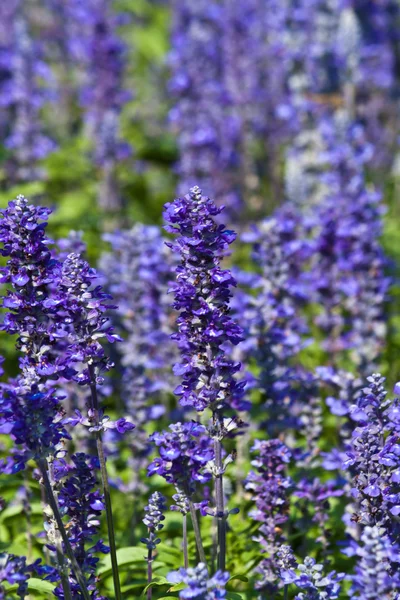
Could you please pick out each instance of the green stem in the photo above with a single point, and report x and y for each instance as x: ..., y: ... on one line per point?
x: 28, y: 515
x: 62, y: 565
x: 285, y: 592
x: 219, y: 494
x: 214, y: 545
x: 109, y: 515
x: 149, y: 572
x: 106, y: 486
x: 63, y: 574
x: 67, y: 546
x: 185, y: 542
x: 197, y: 533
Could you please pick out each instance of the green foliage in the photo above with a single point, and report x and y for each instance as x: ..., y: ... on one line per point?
x: 37, y: 588
x: 147, y: 181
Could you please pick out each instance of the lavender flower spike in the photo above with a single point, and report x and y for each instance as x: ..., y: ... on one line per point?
x: 315, y: 585
x: 270, y: 487
x: 185, y: 451
x: 205, y: 329
x: 82, y: 504
x: 202, y: 295
x: 199, y: 585
x: 30, y: 269
x: 14, y: 570
x: 86, y: 307
x: 153, y: 520
x: 377, y: 573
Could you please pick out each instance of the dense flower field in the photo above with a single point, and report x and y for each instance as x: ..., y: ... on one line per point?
x: 199, y: 299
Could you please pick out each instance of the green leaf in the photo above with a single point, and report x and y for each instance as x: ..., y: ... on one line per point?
x: 125, y: 557
x: 44, y: 588
x: 36, y: 188
x: 37, y: 585
x: 177, y: 588
x: 156, y: 582
x: 168, y: 555
x: 13, y: 511
x: 138, y: 583
x: 234, y: 596
x: 239, y: 578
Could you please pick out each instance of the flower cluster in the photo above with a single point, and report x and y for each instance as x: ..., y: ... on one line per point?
x: 56, y: 313
x: 84, y: 306
x: 202, y: 294
x: 34, y: 419
x: 199, y: 584
x: 184, y: 451
x: 30, y: 270
x: 82, y: 504
x: 311, y: 580
x: 377, y: 572
x: 153, y: 519
x: 203, y: 117
x: 24, y: 91
x: 14, y: 571
x: 350, y: 280
x: 275, y: 332
x: 373, y: 458
x: 270, y: 488
x: 59, y: 319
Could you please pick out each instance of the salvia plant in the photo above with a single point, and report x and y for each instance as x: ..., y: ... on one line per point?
x: 199, y: 300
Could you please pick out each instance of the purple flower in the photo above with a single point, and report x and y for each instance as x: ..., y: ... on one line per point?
x: 82, y: 504
x: 104, y: 423
x: 199, y: 584
x: 122, y: 425
x: 103, y: 95
x: 34, y: 421
x: 348, y: 261
x: 202, y: 294
x: 154, y: 515
x: 373, y: 458
x: 24, y: 91
x: 309, y: 578
x: 30, y: 269
x: 204, y: 119
x: 85, y: 306
x: 138, y: 270
x: 184, y: 451
x: 104, y: 59
x: 377, y: 571
x: 270, y: 488
x: 15, y: 571
x: 275, y: 332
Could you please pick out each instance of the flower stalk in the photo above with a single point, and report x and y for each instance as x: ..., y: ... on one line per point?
x: 153, y: 520
x: 105, y: 485
x: 149, y: 572
x: 68, y: 549
x: 197, y: 533
x: 219, y: 501
x: 185, y: 542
